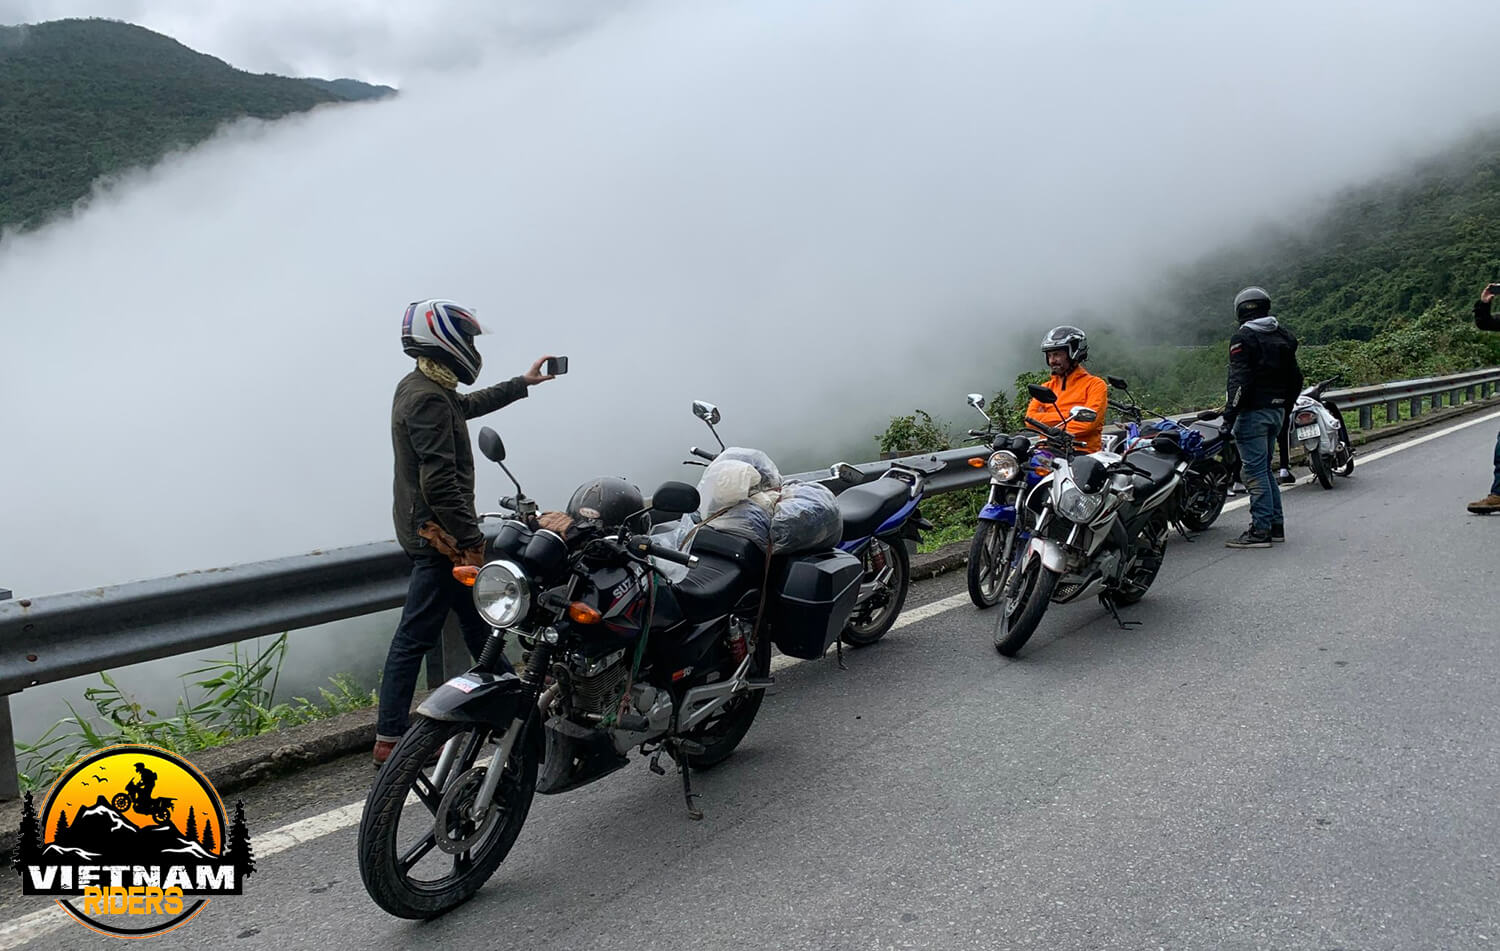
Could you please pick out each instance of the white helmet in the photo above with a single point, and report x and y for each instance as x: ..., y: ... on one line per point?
x: 445, y: 332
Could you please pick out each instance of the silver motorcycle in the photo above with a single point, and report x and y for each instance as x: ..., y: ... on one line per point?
x: 1096, y: 522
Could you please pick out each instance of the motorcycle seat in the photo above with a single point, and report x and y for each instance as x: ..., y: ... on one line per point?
x: 1161, y: 467
x: 1209, y: 431
x: 728, y: 566
x: 866, y: 507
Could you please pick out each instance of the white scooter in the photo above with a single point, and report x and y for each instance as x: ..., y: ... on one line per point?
x: 1319, y: 427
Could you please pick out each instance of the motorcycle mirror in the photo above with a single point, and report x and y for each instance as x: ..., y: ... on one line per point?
x: 491, y: 445
x: 976, y: 400
x: 675, y: 498
x: 1117, y: 383
x: 1083, y: 414
x: 846, y: 473
x: 707, y: 412
x: 1041, y: 393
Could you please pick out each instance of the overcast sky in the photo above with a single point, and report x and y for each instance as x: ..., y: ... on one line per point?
x: 816, y: 215
x: 384, y: 41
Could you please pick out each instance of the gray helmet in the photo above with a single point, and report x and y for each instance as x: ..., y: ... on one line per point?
x: 1250, y: 303
x: 1070, y: 339
x: 606, y: 503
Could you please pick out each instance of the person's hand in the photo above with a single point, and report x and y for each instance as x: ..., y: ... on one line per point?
x: 555, y: 522
x: 472, y: 556
x: 1488, y: 293
x: 535, y: 374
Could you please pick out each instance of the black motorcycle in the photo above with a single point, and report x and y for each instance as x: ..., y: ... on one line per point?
x: 615, y: 657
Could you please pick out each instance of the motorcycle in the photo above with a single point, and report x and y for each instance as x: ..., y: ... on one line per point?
x: 1098, y: 521
x: 1319, y: 426
x: 1215, y: 457
x: 134, y: 797
x: 993, y: 550
x: 880, y: 517
x: 614, y: 658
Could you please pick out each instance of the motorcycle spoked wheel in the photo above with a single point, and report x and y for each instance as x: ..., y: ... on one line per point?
x: 869, y: 625
x: 989, y: 555
x: 1207, y: 495
x: 387, y: 868
x: 1021, y: 613
x: 724, y: 731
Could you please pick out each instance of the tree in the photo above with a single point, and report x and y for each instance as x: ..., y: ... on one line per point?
x: 29, y: 840
x: 208, y: 836
x: 239, y: 852
x: 62, y: 826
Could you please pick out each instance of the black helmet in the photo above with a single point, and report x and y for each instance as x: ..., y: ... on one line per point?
x: 605, y: 503
x: 1250, y: 303
x: 1070, y: 339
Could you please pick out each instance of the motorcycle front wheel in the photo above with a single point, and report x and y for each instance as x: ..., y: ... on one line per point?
x: 989, y: 556
x: 870, y: 623
x: 1023, y: 612
x: 441, y: 856
x: 1319, y: 465
x: 1206, y: 494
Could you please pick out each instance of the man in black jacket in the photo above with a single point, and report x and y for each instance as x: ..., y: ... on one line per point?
x: 1485, y: 320
x: 1264, y: 380
x: 436, y: 523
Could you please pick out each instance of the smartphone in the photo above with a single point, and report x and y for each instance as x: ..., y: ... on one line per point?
x: 1494, y: 289
x: 557, y: 366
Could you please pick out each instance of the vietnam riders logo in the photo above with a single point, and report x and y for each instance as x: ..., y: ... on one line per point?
x: 133, y: 841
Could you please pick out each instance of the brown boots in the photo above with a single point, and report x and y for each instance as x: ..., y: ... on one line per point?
x: 1489, y: 505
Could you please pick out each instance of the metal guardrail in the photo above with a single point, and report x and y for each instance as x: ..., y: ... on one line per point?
x: 52, y: 638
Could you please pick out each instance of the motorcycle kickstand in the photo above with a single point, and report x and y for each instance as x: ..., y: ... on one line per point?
x: 1109, y: 605
x: 839, y: 648
x: 680, y: 753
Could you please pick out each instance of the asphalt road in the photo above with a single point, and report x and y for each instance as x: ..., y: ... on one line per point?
x: 1299, y: 748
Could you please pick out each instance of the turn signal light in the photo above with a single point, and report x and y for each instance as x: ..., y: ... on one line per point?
x: 976, y: 463
x: 580, y: 613
x: 466, y: 575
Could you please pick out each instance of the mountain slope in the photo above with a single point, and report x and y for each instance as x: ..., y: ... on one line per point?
x: 83, y: 98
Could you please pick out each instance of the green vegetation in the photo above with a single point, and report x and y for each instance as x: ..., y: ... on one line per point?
x: 81, y: 99
x: 236, y: 701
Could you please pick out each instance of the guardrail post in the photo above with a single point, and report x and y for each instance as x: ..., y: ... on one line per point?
x: 10, y: 779
x: 1468, y: 394
x: 1416, y: 406
x: 1367, y: 417
x: 449, y: 657
x: 1393, y: 411
x: 1456, y: 397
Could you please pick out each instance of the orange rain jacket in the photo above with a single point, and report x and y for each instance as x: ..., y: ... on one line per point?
x: 1078, y: 388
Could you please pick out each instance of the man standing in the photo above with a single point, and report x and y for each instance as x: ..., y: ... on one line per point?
x: 1066, y: 348
x: 434, y: 494
x: 1485, y: 320
x: 1264, y: 380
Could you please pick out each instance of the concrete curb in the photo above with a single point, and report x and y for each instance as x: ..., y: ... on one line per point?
x: 244, y: 763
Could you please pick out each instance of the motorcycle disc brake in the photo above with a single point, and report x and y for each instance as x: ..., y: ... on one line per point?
x: 454, y: 831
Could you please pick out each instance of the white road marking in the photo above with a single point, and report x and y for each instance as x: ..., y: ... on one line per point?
x: 20, y: 931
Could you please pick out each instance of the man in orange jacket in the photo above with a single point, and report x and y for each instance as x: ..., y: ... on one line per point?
x: 1066, y: 348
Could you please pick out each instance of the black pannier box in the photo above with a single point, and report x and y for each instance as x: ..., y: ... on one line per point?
x: 814, y: 596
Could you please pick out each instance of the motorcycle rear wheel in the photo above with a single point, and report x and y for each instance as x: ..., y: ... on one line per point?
x: 862, y: 632
x: 1210, y: 492
x: 386, y: 873
x: 1319, y: 465
x: 724, y: 732
x: 1020, y: 616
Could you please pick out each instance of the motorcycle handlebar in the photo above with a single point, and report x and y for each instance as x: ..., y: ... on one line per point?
x: 703, y: 454
x: 643, y: 545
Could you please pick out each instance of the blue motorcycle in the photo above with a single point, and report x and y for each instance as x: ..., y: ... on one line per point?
x: 1215, y: 457
x: 1015, y: 463
x: 882, y: 520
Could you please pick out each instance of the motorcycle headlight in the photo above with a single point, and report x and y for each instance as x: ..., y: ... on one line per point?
x: 502, y: 594
x: 1004, y: 466
x: 1078, y: 506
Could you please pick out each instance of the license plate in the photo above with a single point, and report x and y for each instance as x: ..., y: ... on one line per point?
x: 1307, y: 432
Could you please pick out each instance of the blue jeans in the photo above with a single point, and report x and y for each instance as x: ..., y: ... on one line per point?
x: 1495, y: 486
x: 431, y: 594
x: 1255, y: 433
